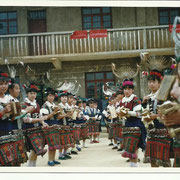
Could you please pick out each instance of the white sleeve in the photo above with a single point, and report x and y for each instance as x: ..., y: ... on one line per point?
x: 86, y: 116
x: 134, y: 114
x: 99, y: 118
x: 137, y: 108
x: 117, y: 109
x: 105, y: 113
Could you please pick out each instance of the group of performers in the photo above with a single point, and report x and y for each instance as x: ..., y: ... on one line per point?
x: 133, y: 124
x: 27, y: 127
x: 62, y: 125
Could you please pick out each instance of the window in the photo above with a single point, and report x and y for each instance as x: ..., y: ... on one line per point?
x: 34, y: 15
x: 96, y: 18
x: 166, y: 16
x: 95, y: 81
x: 8, y: 23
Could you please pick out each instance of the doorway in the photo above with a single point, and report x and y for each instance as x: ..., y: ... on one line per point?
x: 37, y: 24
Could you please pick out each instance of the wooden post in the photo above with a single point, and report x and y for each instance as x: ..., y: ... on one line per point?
x: 57, y: 63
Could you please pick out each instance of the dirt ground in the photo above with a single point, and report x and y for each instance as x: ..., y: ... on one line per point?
x: 96, y: 155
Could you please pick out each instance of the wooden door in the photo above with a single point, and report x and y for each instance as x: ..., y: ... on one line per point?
x: 37, y: 24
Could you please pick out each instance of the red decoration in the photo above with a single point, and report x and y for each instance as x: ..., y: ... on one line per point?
x: 127, y: 83
x: 79, y: 35
x: 3, y: 74
x: 177, y: 28
x: 173, y: 66
x: 145, y: 73
x: 32, y: 86
x: 98, y: 33
x: 156, y: 74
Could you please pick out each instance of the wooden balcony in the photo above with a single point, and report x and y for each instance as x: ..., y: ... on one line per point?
x: 120, y: 43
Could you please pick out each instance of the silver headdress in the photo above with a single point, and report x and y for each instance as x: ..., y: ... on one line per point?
x: 71, y: 87
x: 150, y: 62
x: 109, y: 89
x: 125, y: 71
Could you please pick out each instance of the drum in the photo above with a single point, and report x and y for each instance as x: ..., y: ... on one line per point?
x: 84, y: 132
x: 52, y: 137
x: 76, y: 134
x: 176, y: 148
x: 36, y: 140
x: 112, y: 131
x: 66, y: 138
x: 93, y: 128
x: 131, y: 136
x: 158, y: 146
x: 12, y: 150
x: 118, y: 131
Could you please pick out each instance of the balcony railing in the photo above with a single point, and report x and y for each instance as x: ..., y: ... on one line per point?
x: 54, y: 43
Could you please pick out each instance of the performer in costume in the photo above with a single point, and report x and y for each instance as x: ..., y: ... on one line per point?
x: 11, y: 143
x: 81, y: 120
x: 14, y: 91
x: 71, y: 109
x: 33, y: 130
x: 158, y: 139
x: 98, y: 116
x: 173, y: 119
x: 93, y: 126
x: 120, y: 122
x: 110, y: 118
x: 85, y: 106
x: 134, y: 131
x: 63, y: 121
x: 51, y: 133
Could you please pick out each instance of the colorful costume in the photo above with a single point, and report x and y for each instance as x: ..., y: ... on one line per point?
x: 33, y: 131
x: 66, y: 137
x: 134, y: 132
x: 158, y: 139
x: 12, y: 143
x: 51, y: 133
x: 93, y: 125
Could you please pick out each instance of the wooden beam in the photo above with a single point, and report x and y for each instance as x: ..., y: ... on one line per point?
x: 87, y: 56
x: 57, y: 63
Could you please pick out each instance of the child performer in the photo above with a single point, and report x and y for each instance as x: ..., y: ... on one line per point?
x: 135, y: 132
x: 92, y: 125
x: 52, y: 110
x: 71, y: 108
x: 110, y: 118
x: 31, y: 121
x: 63, y: 121
x: 6, y: 123
x: 98, y: 116
x: 158, y: 137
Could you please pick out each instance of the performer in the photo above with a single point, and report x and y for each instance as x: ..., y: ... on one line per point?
x: 134, y: 131
x: 158, y: 141
x: 33, y: 130
x: 51, y: 133
x: 173, y: 119
x: 63, y: 121
x: 92, y: 124
x: 71, y: 109
x: 120, y: 122
x: 80, y: 125
x: 9, y: 138
x: 98, y: 116
x: 81, y: 120
x: 111, y: 117
x: 84, y: 127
